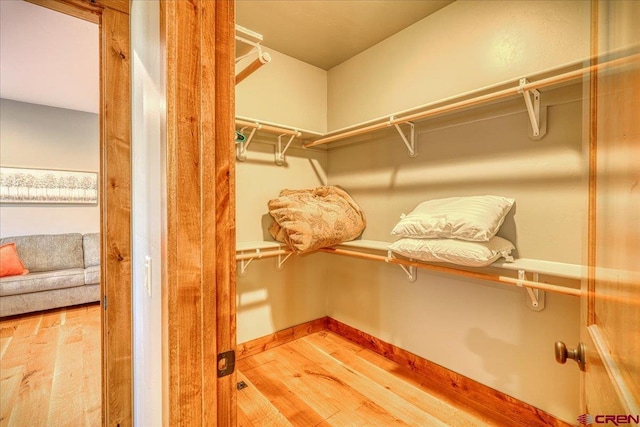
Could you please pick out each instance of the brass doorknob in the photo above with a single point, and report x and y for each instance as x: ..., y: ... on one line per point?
x: 577, y: 354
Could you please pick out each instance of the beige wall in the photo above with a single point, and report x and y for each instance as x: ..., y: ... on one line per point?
x: 478, y: 329
x: 258, y: 180
x: 269, y: 300
x: 285, y: 91
x: 481, y: 330
x: 483, y: 154
x: 42, y: 137
x: 462, y: 47
x: 289, y: 92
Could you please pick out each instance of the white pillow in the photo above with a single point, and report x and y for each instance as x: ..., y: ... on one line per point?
x: 473, y: 218
x: 473, y: 254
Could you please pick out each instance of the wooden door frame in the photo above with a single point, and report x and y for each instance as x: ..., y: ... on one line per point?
x: 199, y: 301
x: 112, y: 17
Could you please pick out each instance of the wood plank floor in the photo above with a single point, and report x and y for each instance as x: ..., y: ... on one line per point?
x: 50, y: 368
x: 50, y: 376
x: 325, y: 380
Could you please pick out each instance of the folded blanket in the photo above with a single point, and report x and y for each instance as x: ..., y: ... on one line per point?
x: 310, y: 219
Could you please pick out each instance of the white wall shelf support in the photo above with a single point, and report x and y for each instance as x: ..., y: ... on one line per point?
x: 411, y: 271
x: 241, y: 146
x: 535, y: 297
x: 409, y: 142
x: 280, y: 152
x: 246, y: 254
x: 244, y: 263
x: 532, y: 101
x: 281, y: 260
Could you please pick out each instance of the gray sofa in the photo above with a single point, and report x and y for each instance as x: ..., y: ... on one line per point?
x: 64, y: 270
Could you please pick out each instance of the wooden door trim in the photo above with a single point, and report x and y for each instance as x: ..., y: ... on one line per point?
x: 610, y: 303
x: 112, y: 16
x: 199, y: 307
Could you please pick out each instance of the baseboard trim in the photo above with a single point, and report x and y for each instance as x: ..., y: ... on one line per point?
x: 445, y: 381
x: 284, y: 336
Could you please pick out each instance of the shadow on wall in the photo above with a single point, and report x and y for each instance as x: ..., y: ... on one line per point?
x: 494, y: 151
x: 269, y: 300
x: 266, y: 221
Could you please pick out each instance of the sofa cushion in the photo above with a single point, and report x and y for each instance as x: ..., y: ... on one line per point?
x: 92, y: 275
x: 48, y: 252
x: 42, y: 281
x: 10, y: 263
x: 91, y: 247
x: 46, y: 300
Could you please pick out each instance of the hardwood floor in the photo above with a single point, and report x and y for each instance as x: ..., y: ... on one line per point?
x: 50, y: 368
x: 50, y: 376
x: 325, y: 380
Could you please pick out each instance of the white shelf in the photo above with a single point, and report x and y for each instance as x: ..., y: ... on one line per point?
x: 556, y: 269
x: 362, y: 248
x: 550, y: 268
x: 375, y: 245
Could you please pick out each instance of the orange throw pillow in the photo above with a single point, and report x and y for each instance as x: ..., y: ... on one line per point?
x: 10, y: 264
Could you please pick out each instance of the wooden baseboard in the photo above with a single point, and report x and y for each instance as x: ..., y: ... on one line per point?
x: 284, y: 336
x: 447, y: 382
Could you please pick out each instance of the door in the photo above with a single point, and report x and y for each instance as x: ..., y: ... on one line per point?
x: 611, y: 307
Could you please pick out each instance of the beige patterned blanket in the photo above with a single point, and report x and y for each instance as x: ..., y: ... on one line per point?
x: 307, y: 220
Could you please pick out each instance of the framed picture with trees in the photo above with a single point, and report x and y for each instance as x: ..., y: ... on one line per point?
x: 23, y: 185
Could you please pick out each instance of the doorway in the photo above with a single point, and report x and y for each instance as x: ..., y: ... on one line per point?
x: 112, y: 19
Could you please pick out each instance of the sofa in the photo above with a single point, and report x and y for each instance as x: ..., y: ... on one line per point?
x: 64, y: 270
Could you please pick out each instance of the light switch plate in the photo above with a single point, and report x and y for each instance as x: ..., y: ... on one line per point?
x: 147, y: 274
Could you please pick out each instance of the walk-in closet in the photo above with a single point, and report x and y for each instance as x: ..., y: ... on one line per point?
x: 472, y: 99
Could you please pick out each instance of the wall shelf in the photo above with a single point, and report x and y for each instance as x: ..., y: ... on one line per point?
x: 279, y: 132
x: 530, y: 90
x: 248, y: 251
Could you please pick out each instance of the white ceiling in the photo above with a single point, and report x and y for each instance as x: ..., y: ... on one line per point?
x: 52, y: 59
x: 325, y: 33
x: 48, y: 58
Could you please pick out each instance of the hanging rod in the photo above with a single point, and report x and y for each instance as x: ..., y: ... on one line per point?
x: 472, y: 274
x: 263, y: 58
x: 253, y: 40
x: 241, y: 146
x: 268, y: 128
x: 497, y: 95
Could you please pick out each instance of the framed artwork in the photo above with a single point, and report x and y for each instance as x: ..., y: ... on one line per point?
x: 22, y: 185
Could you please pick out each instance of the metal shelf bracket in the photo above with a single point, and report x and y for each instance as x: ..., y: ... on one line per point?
x: 409, y: 142
x: 245, y: 263
x: 241, y: 146
x: 535, y: 297
x: 410, y: 271
x: 280, y: 160
x: 281, y: 260
x: 532, y: 101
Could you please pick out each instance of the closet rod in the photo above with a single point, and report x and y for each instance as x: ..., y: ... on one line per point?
x: 268, y: 128
x: 261, y: 255
x: 263, y: 58
x: 504, y: 93
x: 476, y: 275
